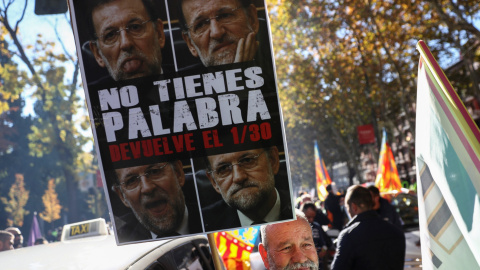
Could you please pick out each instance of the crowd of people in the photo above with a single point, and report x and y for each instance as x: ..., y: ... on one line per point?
x: 370, y: 233
x: 12, y: 238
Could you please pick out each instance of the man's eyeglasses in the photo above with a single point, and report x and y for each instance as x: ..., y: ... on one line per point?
x: 224, y: 16
x: 135, y: 29
x: 154, y: 173
x: 246, y: 163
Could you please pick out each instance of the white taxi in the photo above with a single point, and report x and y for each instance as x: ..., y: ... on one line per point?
x: 90, y: 245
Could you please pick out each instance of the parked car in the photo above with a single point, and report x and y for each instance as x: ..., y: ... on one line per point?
x: 90, y: 245
x: 406, y: 204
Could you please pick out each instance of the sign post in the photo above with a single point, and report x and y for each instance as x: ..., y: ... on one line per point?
x: 217, y: 261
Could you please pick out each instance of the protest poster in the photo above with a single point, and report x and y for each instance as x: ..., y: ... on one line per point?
x: 185, y: 113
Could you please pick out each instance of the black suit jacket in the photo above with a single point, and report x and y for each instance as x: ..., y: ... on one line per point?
x: 220, y: 216
x: 369, y: 243
x: 332, y: 205
x: 129, y: 228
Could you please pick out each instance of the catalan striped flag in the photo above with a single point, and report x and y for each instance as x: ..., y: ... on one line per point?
x: 448, y: 172
x: 387, y: 175
x: 236, y: 246
x: 321, y: 173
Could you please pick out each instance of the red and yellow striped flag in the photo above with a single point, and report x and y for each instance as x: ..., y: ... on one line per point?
x: 387, y: 175
x: 321, y: 173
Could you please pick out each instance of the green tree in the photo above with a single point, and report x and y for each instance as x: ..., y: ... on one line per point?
x: 11, y: 79
x: 56, y: 131
x: 16, y: 201
x: 457, y: 15
x: 341, y: 64
x: 51, y: 203
x: 12, y: 82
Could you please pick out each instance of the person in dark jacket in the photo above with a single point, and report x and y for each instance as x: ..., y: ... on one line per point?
x: 334, y: 211
x: 384, y: 208
x: 368, y: 241
x: 320, y: 238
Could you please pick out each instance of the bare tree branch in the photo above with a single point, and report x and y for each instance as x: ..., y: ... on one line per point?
x: 67, y: 19
x: 21, y: 52
x: 62, y: 43
x: 73, y: 86
x: 7, y: 5
x: 21, y: 17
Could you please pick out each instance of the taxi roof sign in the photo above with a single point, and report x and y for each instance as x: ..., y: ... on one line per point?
x: 89, y: 228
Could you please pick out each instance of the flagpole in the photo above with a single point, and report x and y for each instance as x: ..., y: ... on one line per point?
x: 217, y: 261
x: 447, y: 163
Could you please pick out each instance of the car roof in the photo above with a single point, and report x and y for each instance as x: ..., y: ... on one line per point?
x: 100, y: 252
x: 89, y: 245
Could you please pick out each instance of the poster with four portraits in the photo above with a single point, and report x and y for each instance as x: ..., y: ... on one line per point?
x: 186, y: 118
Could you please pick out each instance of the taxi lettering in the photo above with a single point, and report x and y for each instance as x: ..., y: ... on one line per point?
x: 79, y: 229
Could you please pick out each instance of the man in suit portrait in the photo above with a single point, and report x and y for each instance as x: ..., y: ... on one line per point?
x: 159, y: 207
x: 220, y: 32
x: 246, y: 182
x: 128, y: 37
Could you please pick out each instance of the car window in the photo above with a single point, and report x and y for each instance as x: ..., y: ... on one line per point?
x: 204, y: 251
x: 192, y: 257
x: 407, y: 207
x: 189, y: 256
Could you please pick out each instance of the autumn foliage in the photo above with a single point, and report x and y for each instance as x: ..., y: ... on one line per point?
x: 343, y: 64
x: 16, y: 201
x: 51, y: 203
